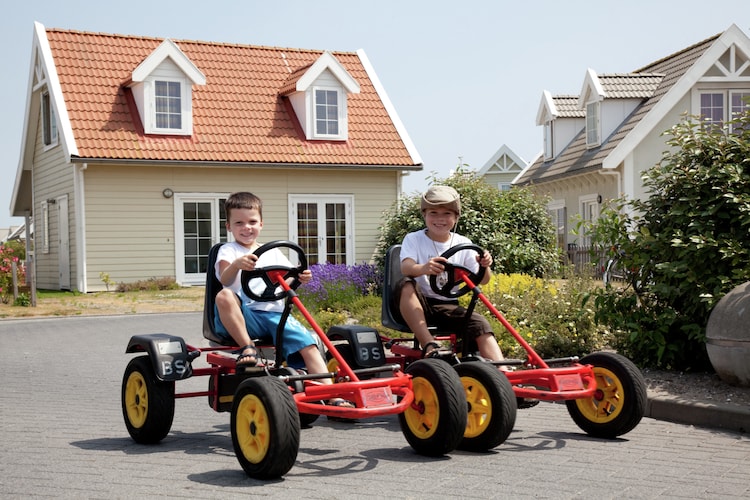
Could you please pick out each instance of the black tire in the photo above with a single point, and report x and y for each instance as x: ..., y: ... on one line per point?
x: 147, y: 402
x: 620, y: 402
x: 265, y: 427
x: 491, y: 406
x: 434, y: 425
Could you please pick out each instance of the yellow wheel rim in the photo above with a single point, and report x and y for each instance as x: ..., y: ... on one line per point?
x: 424, y: 414
x: 480, y: 407
x: 136, y: 399
x: 607, y: 402
x: 253, y: 428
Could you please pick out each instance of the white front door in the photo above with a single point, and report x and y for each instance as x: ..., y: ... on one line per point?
x: 200, y: 222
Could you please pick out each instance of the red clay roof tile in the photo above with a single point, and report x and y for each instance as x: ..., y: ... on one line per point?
x: 238, y: 116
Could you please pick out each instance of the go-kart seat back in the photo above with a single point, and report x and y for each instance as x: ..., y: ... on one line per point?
x: 213, y: 286
x: 390, y: 316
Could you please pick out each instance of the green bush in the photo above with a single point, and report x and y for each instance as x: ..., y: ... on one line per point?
x: 512, y: 225
x: 151, y: 284
x: 688, y: 241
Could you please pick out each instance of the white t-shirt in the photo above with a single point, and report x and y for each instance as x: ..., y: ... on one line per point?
x: 229, y: 252
x: 419, y: 247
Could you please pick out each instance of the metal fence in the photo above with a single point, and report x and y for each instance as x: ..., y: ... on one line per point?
x: 579, y: 258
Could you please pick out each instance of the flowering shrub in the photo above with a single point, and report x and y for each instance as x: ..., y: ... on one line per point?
x: 10, y: 252
x: 557, y: 320
x: 339, y: 285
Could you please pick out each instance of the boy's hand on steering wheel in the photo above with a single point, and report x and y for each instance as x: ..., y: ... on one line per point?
x: 305, y: 276
x: 485, y: 260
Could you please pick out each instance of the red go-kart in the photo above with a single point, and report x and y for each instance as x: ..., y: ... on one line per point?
x: 270, y: 403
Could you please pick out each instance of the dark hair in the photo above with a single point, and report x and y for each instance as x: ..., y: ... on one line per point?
x: 243, y: 199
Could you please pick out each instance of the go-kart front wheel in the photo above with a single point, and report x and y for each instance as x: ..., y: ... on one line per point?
x: 620, y: 399
x: 265, y: 427
x: 434, y: 424
x: 491, y: 406
x: 147, y: 402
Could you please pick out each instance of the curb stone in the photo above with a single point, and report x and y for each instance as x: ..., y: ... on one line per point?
x: 707, y: 415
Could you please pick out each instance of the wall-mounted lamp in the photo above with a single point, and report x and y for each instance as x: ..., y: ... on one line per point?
x: 599, y: 198
x: 167, y: 193
x: 51, y: 201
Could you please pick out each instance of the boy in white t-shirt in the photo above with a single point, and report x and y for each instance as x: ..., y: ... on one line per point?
x: 237, y: 314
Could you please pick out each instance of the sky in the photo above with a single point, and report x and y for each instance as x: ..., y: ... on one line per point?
x: 464, y: 77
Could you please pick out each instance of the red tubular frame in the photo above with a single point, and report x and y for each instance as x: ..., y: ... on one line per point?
x: 373, y: 397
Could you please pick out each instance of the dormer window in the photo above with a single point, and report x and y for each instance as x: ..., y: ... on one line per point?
x: 593, y: 137
x: 549, y: 146
x: 326, y: 112
x: 49, y: 121
x: 167, y: 105
x: 318, y: 95
x: 162, y: 86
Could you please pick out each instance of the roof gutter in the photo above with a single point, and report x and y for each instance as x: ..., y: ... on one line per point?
x: 243, y: 164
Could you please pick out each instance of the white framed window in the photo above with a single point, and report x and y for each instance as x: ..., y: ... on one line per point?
x: 168, y: 108
x: 589, y: 211
x: 559, y: 216
x: 329, y: 113
x: 323, y: 226
x: 549, y: 146
x: 49, y: 121
x: 200, y: 223
x: 167, y: 105
x: 717, y: 106
x: 504, y: 186
x: 593, y: 132
x: 45, y: 227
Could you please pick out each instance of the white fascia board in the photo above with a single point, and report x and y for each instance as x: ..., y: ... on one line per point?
x: 590, y: 82
x: 390, y: 109
x: 168, y: 49
x: 327, y: 61
x: 647, y: 124
x: 547, y: 109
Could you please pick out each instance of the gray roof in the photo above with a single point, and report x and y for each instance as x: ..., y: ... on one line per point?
x: 576, y: 158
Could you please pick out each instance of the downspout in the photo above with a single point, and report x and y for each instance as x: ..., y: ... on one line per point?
x: 618, y: 181
x: 80, y: 211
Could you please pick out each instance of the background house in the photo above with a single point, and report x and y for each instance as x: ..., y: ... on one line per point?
x: 502, y: 168
x: 597, y: 144
x: 131, y: 144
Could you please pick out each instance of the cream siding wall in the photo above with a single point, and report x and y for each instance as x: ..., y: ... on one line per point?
x: 130, y: 230
x: 52, y: 177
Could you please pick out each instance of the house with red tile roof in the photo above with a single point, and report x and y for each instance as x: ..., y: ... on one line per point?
x: 131, y: 144
x: 598, y: 143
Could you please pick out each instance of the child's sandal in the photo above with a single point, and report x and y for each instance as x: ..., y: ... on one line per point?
x: 247, y: 360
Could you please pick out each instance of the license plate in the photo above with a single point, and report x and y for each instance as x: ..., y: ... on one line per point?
x: 569, y: 382
x: 377, y: 396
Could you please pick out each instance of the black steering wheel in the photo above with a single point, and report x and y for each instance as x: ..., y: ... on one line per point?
x: 270, y: 292
x: 446, y: 289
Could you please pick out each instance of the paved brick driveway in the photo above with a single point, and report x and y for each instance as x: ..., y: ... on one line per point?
x: 62, y: 435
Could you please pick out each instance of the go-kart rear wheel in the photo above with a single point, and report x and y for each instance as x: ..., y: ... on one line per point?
x: 265, y: 427
x: 491, y: 406
x: 434, y: 424
x: 147, y: 402
x: 620, y: 399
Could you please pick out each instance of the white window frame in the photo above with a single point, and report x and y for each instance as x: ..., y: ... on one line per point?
x: 727, y: 92
x: 45, y: 226
x: 584, y: 203
x: 341, y: 113
x: 321, y: 200
x: 186, y: 118
x: 553, y: 210
x: 549, y: 142
x: 593, y: 124
x: 182, y: 277
x: 49, y: 122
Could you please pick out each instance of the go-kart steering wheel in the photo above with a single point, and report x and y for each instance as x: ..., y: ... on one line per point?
x: 446, y: 290
x: 269, y: 293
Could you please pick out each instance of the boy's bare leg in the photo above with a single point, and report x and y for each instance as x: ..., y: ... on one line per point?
x: 228, y: 307
x: 488, y: 348
x: 413, y: 313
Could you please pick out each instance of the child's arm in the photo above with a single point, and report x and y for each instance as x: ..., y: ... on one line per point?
x: 228, y: 270
x: 410, y: 267
x: 485, y: 260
